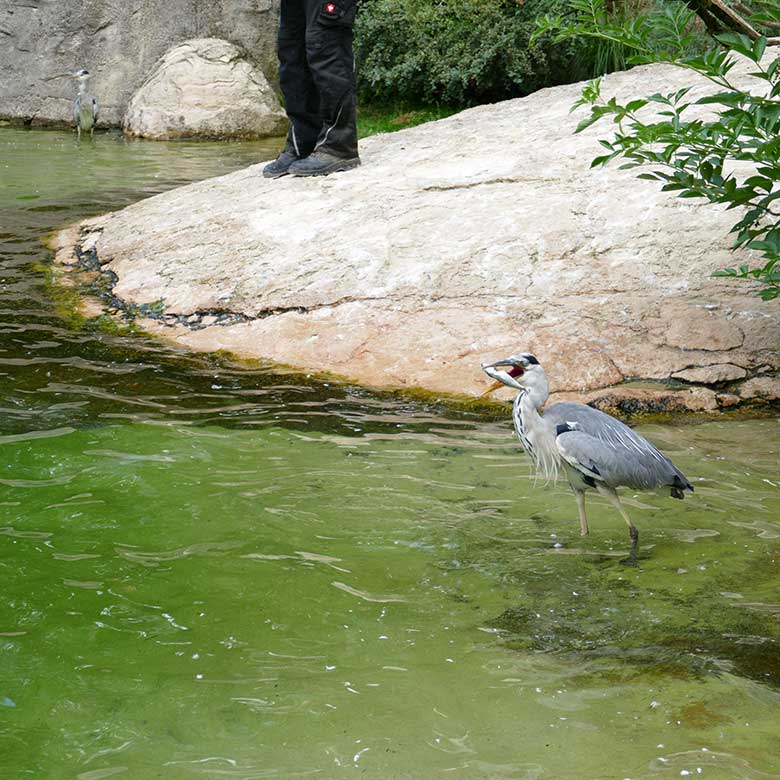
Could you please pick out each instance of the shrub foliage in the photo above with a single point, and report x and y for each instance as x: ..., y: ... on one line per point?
x: 459, y: 52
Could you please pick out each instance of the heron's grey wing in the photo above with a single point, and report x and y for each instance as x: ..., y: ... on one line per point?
x: 604, y: 463
x: 76, y: 109
x: 642, y: 460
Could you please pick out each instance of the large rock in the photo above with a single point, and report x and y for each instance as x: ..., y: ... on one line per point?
x: 118, y: 42
x: 204, y: 88
x: 456, y: 242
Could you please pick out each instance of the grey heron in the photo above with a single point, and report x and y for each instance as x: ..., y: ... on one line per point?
x: 85, y: 106
x: 594, y: 450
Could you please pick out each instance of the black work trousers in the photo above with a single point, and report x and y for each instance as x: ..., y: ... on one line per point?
x: 317, y: 75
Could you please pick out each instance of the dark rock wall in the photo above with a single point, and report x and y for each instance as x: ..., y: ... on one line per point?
x: 118, y: 41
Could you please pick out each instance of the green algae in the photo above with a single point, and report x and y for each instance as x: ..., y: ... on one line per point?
x: 212, y: 569
x: 208, y: 591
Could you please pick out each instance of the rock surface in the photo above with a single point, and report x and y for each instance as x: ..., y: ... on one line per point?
x: 457, y: 242
x: 710, y: 375
x: 118, y: 42
x: 204, y: 88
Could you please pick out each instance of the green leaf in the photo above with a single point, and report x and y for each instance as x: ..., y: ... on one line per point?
x: 730, y: 98
x: 601, y: 160
x: 759, y: 47
x: 635, y: 105
x: 586, y: 123
x: 760, y: 183
x: 739, y: 42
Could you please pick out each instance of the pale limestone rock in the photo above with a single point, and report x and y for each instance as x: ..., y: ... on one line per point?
x: 459, y: 242
x: 204, y: 88
x: 628, y: 400
x: 710, y: 375
x: 765, y: 388
x: 693, y: 327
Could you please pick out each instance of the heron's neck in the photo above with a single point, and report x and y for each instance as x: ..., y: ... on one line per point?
x: 534, y: 398
x: 528, y: 406
x: 526, y: 415
x: 82, y: 87
x: 536, y: 433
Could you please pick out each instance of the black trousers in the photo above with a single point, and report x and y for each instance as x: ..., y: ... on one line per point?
x: 317, y: 75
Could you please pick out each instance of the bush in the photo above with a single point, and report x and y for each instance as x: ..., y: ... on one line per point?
x: 459, y: 51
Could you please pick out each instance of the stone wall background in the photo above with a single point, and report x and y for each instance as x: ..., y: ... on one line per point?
x: 118, y: 41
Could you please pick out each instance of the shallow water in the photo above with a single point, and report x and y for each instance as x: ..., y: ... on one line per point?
x: 215, y: 571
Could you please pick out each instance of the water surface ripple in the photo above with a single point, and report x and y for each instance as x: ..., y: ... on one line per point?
x: 211, y: 570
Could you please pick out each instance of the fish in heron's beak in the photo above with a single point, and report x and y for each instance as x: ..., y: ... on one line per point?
x: 507, y: 377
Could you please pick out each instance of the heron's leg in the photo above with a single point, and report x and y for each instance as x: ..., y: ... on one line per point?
x: 613, y: 499
x: 580, y: 496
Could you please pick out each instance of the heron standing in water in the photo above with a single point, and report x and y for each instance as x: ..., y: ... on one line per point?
x: 85, y: 106
x: 594, y: 450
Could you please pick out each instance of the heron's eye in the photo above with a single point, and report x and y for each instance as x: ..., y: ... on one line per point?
x: 515, y: 371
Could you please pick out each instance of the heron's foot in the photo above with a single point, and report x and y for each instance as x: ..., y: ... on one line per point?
x: 633, y: 558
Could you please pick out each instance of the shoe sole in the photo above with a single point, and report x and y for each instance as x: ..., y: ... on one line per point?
x: 342, y: 165
x: 275, y: 175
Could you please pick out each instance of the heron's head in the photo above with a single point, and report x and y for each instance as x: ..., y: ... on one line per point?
x: 81, y: 75
x: 521, y: 371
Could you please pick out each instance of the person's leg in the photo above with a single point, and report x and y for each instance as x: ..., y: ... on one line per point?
x: 300, y: 93
x: 332, y: 66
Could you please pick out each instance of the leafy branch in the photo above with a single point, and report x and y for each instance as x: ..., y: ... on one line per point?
x: 732, y: 159
x: 741, y: 18
x: 657, y: 36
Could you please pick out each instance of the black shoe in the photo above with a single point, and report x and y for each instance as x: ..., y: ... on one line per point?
x: 281, y: 165
x: 321, y: 164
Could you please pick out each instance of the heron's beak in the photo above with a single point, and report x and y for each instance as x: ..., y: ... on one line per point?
x: 502, y: 377
x: 492, y: 389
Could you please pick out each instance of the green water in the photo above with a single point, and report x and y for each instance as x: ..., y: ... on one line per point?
x: 213, y: 571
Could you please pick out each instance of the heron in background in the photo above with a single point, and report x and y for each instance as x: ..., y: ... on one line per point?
x: 85, y: 106
x: 595, y: 450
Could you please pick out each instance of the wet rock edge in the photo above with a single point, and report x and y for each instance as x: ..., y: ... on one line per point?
x: 637, y: 398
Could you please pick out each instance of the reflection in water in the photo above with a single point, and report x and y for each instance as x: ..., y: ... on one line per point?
x: 210, y: 570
